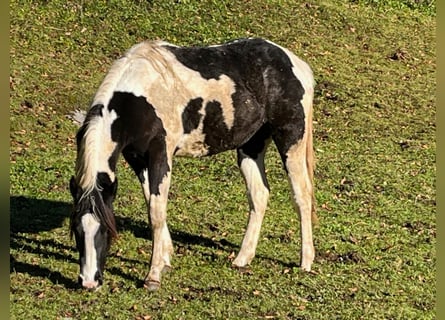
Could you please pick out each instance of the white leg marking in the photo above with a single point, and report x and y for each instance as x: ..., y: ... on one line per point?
x: 254, y: 175
x: 146, y: 187
x: 90, y: 226
x: 302, y: 192
x: 162, y: 246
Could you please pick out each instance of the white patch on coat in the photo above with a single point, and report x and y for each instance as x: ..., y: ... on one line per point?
x: 192, y: 144
x: 146, y: 186
x: 90, y: 226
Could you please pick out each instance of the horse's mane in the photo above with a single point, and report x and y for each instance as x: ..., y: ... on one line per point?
x: 93, y: 203
x: 156, y: 55
x: 89, y: 144
x: 150, y: 51
x: 88, y: 147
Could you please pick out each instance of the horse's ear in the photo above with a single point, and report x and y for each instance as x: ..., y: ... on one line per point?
x: 73, y: 187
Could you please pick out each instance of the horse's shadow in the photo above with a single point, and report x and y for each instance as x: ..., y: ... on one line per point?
x: 29, y: 216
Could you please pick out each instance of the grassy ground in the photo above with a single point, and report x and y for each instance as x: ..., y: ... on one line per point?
x: 374, y: 63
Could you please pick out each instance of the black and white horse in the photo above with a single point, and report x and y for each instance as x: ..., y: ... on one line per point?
x: 161, y: 100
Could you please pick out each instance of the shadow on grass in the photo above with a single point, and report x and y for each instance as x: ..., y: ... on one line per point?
x: 143, y: 230
x: 41, y: 272
x: 29, y: 216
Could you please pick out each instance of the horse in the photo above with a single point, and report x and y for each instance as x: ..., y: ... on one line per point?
x: 161, y: 100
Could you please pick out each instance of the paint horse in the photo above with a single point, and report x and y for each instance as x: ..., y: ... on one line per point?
x: 161, y: 100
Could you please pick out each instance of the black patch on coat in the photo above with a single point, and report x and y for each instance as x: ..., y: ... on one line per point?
x: 108, y: 187
x: 257, y: 143
x: 136, y: 160
x: 254, y: 147
x: 267, y: 91
x: 191, y: 116
x: 140, y: 135
x: 215, y: 129
x: 103, y: 179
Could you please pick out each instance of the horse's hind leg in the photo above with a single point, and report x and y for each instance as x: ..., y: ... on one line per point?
x: 251, y: 163
x: 294, y: 157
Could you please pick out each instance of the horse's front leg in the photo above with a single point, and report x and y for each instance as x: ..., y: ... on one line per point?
x: 162, y: 246
x: 159, y: 176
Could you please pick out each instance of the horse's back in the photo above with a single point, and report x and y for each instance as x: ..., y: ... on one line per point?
x: 206, y: 100
x: 265, y: 88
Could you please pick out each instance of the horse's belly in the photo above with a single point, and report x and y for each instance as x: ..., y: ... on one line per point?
x: 200, y: 143
x: 192, y: 144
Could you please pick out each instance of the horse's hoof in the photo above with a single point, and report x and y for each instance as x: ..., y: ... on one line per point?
x: 152, y: 285
x: 166, y: 269
x: 242, y: 269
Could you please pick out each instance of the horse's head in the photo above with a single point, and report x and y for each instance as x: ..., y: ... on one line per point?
x: 93, y: 225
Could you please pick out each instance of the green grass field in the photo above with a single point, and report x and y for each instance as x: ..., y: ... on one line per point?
x: 375, y: 68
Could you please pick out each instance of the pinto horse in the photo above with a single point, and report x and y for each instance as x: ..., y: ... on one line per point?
x: 159, y: 100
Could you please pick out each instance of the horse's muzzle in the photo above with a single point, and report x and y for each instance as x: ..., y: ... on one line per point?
x: 91, y: 285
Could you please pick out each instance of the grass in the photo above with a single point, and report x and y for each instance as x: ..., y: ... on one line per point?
x: 374, y: 122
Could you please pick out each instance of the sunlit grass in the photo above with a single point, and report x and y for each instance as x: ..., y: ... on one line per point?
x: 374, y: 63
